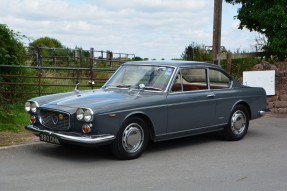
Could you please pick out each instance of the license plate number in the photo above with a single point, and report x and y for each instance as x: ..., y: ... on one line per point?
x: 49, y: 139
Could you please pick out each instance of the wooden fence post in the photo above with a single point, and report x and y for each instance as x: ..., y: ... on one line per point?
x: 229, y: 62
x: 91, y: 67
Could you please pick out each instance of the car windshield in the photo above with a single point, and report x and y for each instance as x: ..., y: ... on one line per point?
x: 141, y: 76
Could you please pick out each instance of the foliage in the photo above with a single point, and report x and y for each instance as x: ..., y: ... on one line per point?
x: 48, y: 48
x: 240, y: 65
x: 196, y: 52
x: 12, y: 51
x: 268, y: 18
x: 46, y: 42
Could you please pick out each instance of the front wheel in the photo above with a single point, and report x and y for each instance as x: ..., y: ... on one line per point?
x: 238, y: 124
x: 131, y: 139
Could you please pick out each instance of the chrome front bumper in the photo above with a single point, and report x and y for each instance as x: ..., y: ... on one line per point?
x: 73, y: 137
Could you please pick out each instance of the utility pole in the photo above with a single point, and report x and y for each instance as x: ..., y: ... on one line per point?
x: 216, y: 32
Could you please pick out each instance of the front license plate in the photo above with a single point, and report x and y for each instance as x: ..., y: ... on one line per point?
x: 49, y: 139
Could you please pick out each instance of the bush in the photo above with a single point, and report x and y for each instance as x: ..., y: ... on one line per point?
x: 240, y: 65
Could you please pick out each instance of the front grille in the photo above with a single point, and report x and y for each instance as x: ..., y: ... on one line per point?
x: 56, y: 120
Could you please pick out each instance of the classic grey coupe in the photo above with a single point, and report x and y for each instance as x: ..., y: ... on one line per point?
x: 148, y: 101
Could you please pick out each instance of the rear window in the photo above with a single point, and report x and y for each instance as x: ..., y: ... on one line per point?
x: 218, y: 80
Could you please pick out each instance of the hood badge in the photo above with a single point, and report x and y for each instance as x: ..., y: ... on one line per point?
x: 56, y: 118
x: 60, y: 116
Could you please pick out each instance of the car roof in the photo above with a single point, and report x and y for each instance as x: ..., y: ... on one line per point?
x: 179, y: 63
x: 173, y: 63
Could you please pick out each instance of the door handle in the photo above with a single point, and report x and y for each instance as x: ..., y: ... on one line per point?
x: 211, y: 95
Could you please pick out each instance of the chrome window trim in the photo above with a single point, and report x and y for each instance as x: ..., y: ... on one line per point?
x: 159, y: 65
x: 191, y: 67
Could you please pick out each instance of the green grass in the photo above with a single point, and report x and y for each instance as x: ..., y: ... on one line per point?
x: 13, y: 117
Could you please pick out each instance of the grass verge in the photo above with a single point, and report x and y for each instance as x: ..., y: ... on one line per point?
x: 13, y: 118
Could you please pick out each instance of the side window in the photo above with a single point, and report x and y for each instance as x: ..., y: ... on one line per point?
x: 218, y: 80
x: 190, y: 79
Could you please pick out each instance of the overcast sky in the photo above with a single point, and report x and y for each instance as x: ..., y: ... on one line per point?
x: 148, y: 28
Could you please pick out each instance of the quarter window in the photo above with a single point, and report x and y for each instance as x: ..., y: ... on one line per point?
x: 218, y: 80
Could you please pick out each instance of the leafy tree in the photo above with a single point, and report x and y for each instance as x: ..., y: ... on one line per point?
x: 48, y: 47
x: 12, y: 51
x: 196, y: 52
x: 268, y: 18
x: 46, y: 42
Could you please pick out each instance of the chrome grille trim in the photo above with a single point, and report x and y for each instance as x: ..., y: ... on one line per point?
x: 50, y: 119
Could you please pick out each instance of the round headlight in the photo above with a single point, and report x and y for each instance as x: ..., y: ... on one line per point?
x: 27, y: 106
x: 88, y: 115
x: 80, y: 114
x: 34, y: 107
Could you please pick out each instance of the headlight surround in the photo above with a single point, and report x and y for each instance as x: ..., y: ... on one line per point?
x: 34, y: 106
x: 80, y: 114
x: 88, y: 115
x: 27, y: 106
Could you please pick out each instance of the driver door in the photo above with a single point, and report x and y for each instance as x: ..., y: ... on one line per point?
x: 190, y: 102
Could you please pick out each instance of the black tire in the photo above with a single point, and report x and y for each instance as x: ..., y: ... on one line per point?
x: 238, y: 124
x: 131, y: 139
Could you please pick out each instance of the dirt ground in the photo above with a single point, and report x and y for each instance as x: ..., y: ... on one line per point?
x: 12, y: 138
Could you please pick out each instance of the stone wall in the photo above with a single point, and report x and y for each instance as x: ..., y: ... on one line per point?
x: 278, y: 102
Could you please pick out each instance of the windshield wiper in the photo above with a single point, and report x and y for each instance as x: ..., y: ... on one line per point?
x: 143, y: 87
x: 123, y: 86
x: 118, y: 86
x: 152, y: 88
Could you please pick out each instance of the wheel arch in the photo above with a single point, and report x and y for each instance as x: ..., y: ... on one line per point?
x: 245, y: 104
x: 148, y: 121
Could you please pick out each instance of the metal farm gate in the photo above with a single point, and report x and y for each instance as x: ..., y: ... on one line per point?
x: 54, y: 70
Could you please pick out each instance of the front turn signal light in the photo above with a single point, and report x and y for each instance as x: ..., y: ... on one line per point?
x: 86, y: 128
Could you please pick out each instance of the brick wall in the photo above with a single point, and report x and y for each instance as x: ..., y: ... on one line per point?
x: 278, y: 102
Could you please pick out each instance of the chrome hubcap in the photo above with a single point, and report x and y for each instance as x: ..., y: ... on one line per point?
x: 132, y: 138
x: 238, y: 122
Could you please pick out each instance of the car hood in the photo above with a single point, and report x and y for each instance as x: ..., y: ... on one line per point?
x: 100, y: 101
x: 90, y: 99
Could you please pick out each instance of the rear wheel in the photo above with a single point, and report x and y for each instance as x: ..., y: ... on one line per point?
x: 238, y: 124
x: 131, y: 139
